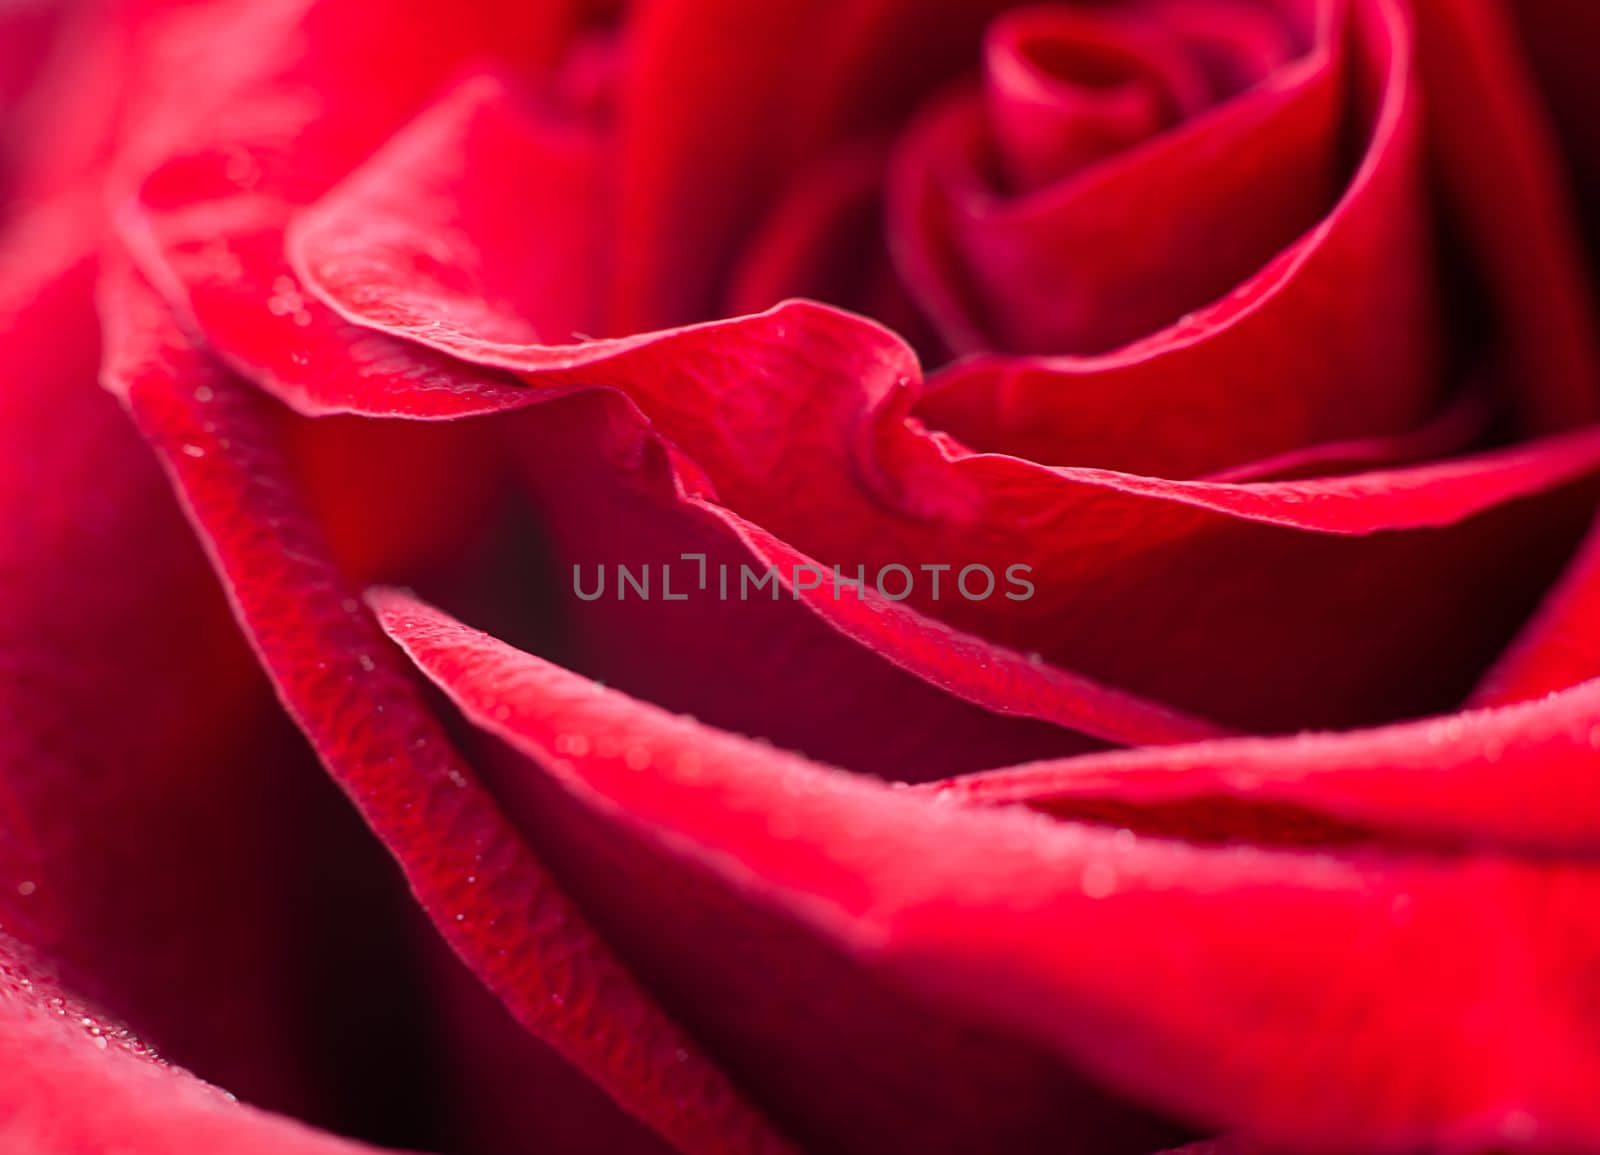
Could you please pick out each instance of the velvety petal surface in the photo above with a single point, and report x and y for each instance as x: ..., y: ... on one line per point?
x: 829, y: 416
x: 487, y: 895
x: 138, y: 836
x: 78, y: 1083
x: 1131, y: 955
x: 303, y: 90
x: 1525, y: 776
x: 1298, y: 438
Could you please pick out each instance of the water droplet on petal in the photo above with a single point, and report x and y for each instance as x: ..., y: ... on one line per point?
x: 1519, y: 1127
x: 1098, y: 880
x: 575, y: 744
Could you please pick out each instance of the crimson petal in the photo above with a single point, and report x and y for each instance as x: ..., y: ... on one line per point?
x: 77, y: 1081
x: 128, y: 860
x: 1451, y: 1000
x: 1522, y: 776
x: 490, y: 899
x: 834, y: 393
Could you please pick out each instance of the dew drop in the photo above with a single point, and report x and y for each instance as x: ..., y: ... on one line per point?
x: 575, y: 744
x: 1098, y: 880
x: 193, y: 450
x: 242, y: 169
x: 1519, y: 1127
x: 26, y: 888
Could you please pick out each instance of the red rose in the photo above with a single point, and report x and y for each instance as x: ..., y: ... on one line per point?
x: 892, y: 577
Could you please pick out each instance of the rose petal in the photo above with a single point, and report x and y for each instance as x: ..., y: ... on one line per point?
x: 832, y: 393
x: 1559, y: 646
x: 1067, y: 88
x: 1114, y: 251
x: 130, y: 859
x: 502, y: 1090
x: 1521, y: 776
x: 1453, y: 994
x: 689, y: 198
x: 1228, y: 222
x: 1454, y: 431
x: 824, y: 239
x: 685, y: 193
x: 77, y: 1081
x: 885, y: 690
x: 1501, y: 175
x: 489, y: 898
x: 869, y: 1068
x: 206, y: 225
